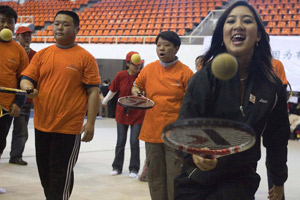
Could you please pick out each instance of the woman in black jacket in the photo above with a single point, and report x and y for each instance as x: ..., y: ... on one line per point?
x: 254, y: 96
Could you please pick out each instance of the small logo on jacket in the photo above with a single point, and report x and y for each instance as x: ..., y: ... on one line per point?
x: 252, y: 98
x: 263, y: 100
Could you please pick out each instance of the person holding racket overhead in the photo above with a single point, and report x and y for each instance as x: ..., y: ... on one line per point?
x: 164, y: 81
x: 254, y: 96
x: 66, y: 80
x: 126, y: 118
x: 13, y: 61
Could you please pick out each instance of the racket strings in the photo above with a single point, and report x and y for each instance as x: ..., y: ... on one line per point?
x: 133, y: 101
x: 212, y: 138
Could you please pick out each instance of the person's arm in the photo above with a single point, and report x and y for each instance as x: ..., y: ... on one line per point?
x: 26, y: 84
x: 108, y: 97
x: 136, y: 90
x: 93, y: 103
x: 275, y: 139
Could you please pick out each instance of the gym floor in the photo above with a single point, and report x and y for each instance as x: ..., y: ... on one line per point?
x: 92, y: 179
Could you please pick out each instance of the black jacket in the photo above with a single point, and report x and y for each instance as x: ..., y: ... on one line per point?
x: 264, y: 108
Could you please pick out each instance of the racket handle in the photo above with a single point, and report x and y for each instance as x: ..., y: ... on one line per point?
x: 208, y: 156
x: 127, y: 110
x: 29, y: 91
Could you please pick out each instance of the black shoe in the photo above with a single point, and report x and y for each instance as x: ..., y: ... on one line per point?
x: 17, y: 161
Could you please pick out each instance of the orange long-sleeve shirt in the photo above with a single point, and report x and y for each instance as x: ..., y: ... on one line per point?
x: 166, y: 87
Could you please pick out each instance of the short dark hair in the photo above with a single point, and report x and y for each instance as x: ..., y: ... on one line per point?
x: 9, y: 12
x: 171, y: 36
x: 71, y: 14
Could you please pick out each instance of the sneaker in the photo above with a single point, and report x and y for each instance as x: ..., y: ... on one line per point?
x: 18, y: 161
x: 115, y: 172
x: 133, y: 175
x: 2, y: 191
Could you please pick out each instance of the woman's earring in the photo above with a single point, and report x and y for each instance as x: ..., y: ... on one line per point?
x: 257, y: 43
x: 222, y: 44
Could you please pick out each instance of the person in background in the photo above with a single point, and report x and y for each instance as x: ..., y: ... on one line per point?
x: 164, y: 81
x: 126, y: 118
x: 65, y: 81
x: 280, y: 72
x: 254, y: 96
x: 10, y: 72
x: 20, y: 131
x: 104, y: 88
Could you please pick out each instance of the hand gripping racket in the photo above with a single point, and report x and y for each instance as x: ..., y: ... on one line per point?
x: 136, y: 102
x: 4, y: 112
x: 15, y: 91
x: 209, y: 137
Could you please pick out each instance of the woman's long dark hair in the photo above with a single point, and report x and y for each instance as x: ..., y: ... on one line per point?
x: 262, y: 56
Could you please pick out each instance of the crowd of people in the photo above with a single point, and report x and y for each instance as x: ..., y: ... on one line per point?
x: 255, y: 96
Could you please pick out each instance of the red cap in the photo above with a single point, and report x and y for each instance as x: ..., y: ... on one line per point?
x: 128, y: 56
x: 23, y: 29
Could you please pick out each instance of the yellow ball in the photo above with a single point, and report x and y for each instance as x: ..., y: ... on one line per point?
x: 224, y: 66
x: 135, y: 58
x: 6, y: 34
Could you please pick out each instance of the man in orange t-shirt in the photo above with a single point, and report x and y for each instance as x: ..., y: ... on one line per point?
x: 13, y: 60
x: 164, y: 82
x: 66, y: 80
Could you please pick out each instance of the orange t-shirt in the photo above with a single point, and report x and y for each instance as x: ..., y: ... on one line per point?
x: 166, y: 87
x: 61, y: 103
x: 279, y: 70
x: 13, y: 60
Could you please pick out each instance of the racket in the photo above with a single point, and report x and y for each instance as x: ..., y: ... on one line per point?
x: 136, y: 102
x: 4, y: 112
x: 15, y: 91
x: 209, y: 137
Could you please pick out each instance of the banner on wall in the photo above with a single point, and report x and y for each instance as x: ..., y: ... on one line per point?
x: 284, y: 48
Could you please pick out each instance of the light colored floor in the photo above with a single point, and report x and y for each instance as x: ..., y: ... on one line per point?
x: 92, y: 179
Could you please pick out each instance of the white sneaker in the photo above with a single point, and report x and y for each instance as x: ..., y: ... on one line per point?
x: 114, y: 172
x: 2, y: 191
x: 133, y: 175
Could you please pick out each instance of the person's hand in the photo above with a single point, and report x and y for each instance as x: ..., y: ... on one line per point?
x: 15, y: 110
x: 276, y: 192
x: 88, y: 131
x: 33, y: 93
x: 135, y: 91
x: 205, y: 164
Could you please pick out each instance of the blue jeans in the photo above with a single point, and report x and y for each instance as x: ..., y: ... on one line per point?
x: 134, y: 165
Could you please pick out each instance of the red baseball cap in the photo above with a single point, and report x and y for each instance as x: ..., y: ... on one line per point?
x: 23, y: 29
x: 128, y: 56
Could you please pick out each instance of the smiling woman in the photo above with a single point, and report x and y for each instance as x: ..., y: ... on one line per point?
x: 240, y: 32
